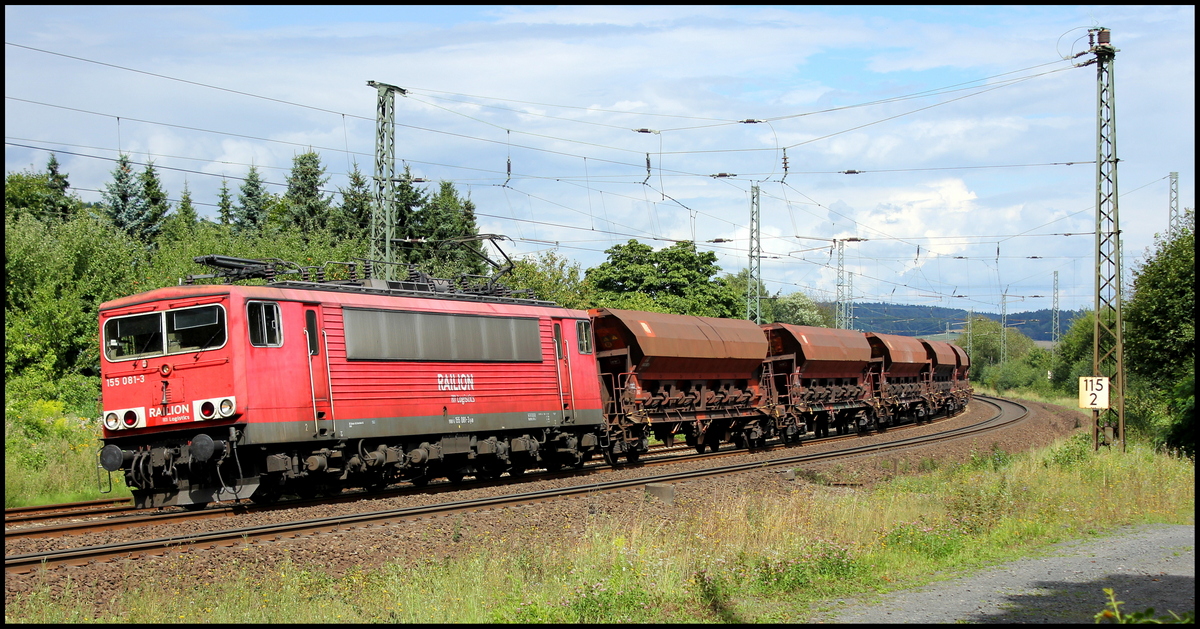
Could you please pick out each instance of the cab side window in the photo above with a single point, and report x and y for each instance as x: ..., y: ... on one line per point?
x: 262, y: 317
x: 583, y: 332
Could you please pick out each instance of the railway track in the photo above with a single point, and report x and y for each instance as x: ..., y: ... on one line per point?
x: 82, y: 517
x: 1006, y: 414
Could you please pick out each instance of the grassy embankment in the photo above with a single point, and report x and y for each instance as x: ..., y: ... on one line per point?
x: 758, y: 559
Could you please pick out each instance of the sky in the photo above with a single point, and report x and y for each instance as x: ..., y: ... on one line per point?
x: 950, y: 150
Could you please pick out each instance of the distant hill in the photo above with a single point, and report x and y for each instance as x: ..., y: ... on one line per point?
x: 930, y: 321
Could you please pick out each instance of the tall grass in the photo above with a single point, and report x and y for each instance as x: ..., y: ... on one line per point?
x: 733, y: 557
x: 50, y: 456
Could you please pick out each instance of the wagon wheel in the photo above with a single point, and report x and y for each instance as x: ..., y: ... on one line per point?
x: 455, y: 477
x: 714, y: 445
x: 610, y: 457
x: 632, y: 455
x: 196, y: 506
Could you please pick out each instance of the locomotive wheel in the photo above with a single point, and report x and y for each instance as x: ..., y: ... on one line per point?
x: 420, y: 481
x: 455, y: 477
x: 488, y: 473
x: 516, y: 470
x: 261, y: 497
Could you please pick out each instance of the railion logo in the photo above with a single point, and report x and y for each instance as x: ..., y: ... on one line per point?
x: 456, y: 382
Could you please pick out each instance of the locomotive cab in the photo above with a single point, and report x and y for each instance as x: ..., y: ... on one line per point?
x: 169, y: 396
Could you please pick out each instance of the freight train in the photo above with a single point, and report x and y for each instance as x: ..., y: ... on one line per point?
x: 302, y: 385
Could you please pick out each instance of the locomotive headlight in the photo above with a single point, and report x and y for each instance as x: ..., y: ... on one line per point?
x: 226, y: 407
x: 111, y: 421
x: 207, y: 410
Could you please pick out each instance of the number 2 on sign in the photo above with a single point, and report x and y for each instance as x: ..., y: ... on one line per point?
x: 1093, y: 392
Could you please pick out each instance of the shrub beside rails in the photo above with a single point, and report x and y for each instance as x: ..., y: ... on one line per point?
x: 306, y: 385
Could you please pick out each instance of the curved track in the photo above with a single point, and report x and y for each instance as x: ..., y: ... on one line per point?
x: 106, y: 515
x: 1007, y: 413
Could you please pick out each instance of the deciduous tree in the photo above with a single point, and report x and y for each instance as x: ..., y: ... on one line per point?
x: 676, y: 279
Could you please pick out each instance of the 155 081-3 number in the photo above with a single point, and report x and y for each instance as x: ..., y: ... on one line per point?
x: 115, y: 382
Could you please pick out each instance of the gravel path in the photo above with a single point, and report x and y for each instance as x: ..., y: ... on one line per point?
x: 1147, y: 566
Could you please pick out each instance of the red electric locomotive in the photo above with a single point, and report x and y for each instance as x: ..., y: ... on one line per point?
x: 219, y: 391
x: 303, y: 387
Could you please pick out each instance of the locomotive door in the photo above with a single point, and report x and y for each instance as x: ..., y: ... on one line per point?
x: 318, y: 371
x: 562, y: 369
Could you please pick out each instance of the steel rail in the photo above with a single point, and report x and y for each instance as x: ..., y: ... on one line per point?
x: 66, y: 509
x: 134, y: 517
x: 20, y: 564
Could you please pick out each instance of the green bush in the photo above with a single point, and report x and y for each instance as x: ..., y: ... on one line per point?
x: 1071, y: 452
x: 50, y: 455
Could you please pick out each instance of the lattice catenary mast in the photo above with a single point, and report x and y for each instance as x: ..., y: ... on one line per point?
x: 1054, y: 326
x: 753, y: 297
x: 383, y: 213
x: 1174, y: 220
x: 1108, y: 343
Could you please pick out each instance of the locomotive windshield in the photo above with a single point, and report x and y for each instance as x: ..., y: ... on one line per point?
x: 133, y: 337
x: 186, y: 330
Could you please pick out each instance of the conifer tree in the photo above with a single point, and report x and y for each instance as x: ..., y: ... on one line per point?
x: 308, y: 208
x: 156, y: 207
x: 251, y: 214
x: 447, y: 222
x: 124, y: 200
x: 181, y: 223
x: 354, y: 222
x: 186, y: 210
x: 61, y: 206
x: 225, y: 204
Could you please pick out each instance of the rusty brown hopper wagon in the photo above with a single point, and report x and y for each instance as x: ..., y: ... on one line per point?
x: 901, y: 376
x: 679, y: 374
x: 818, y: 378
